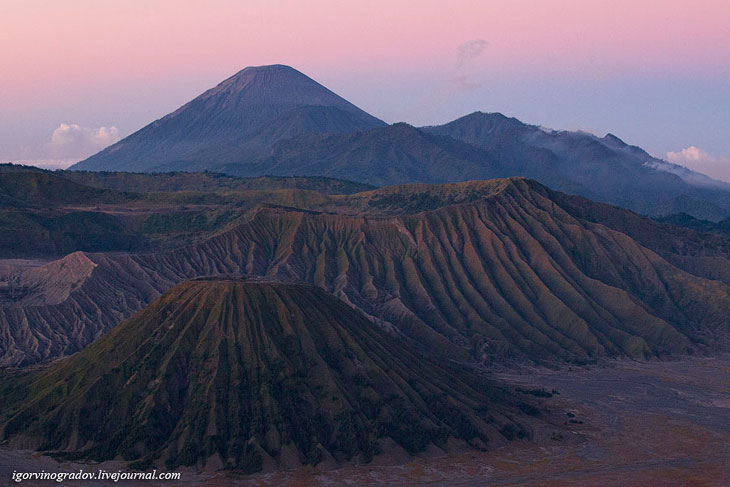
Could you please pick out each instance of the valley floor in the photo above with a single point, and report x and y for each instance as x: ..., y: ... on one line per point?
x: 625, y: 423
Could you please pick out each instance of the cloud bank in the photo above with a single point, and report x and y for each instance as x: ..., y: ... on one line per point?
x: 72, y: 141
x: 702, y: 161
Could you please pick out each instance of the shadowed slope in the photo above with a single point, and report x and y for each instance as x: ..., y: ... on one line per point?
x: 395, y: 154
x: 235, y: 374
x: 31, y: 226
x: 186, y: 181
x: 684, y: 220
x: 51, y: 214
x: 29, y: 187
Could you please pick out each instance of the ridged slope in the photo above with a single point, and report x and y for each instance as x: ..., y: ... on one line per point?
x: 515, y: 274
x: 239, y: 374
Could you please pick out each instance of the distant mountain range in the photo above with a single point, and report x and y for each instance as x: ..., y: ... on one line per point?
x: 274, y: 120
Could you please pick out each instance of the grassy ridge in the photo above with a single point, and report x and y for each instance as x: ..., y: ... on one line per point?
x: 23, y: 187
x: 44, y: 213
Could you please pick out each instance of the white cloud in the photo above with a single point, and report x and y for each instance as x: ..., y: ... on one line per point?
x: 701, y: 161
x: 72, y: 141
x: 690, y: 154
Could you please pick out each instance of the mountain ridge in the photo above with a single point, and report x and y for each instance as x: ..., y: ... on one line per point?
x: 274, y: 120
x: 484, y: 271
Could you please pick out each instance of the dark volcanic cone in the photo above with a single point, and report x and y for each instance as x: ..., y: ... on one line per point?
x: 242, y: 374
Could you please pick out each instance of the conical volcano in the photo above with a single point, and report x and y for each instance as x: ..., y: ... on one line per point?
x: 234, y: 120
x: 247, y: 375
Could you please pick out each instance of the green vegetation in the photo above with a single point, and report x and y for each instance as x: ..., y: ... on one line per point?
x: 241, y: 370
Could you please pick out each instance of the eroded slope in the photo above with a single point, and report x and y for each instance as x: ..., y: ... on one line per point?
x: 508, y: 275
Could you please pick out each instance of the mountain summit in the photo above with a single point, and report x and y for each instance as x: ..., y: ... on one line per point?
x: 276, y: 85
x: 242, y: 115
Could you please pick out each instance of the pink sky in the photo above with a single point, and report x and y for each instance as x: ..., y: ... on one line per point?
x: 103, y: 63
x: 52, y: 46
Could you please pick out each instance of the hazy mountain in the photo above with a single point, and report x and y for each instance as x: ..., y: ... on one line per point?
x: 251, y: 375
x: 390, y: 155
x: 600, y: 168
x: 243, y: 114
x: 485, y: 146
x: 273, y: 120
x: 485, y: 271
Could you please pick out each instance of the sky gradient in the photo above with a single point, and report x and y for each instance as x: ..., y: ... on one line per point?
x: 75, y: 76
